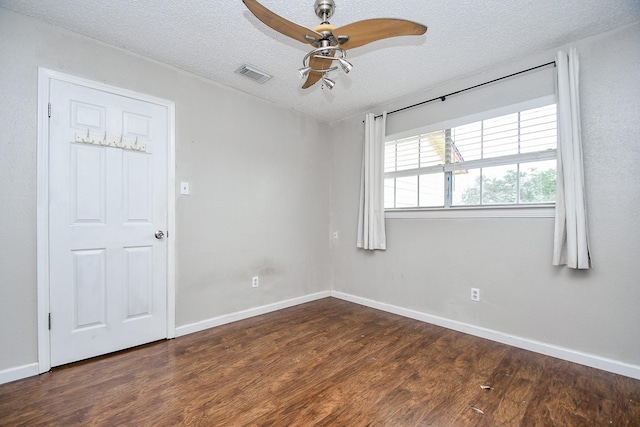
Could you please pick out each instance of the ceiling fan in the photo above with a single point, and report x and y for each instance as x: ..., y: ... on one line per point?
x: 330, y: 42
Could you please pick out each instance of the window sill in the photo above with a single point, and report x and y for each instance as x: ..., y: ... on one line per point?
x: 529, y: 211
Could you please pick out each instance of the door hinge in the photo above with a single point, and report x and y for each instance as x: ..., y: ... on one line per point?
x: 49, y: 110
x: 49, y: 321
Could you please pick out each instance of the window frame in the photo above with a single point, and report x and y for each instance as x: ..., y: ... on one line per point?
x: 528, y: 210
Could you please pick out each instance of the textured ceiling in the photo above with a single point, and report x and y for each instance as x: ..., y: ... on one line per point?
x: 213, y: 38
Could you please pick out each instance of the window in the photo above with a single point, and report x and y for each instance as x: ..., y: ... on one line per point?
x: 504, y: 160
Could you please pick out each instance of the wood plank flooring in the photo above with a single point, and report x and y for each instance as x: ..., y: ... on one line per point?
x: 325, y: 363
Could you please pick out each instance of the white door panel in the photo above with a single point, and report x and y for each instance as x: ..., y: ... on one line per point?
x: 108, y: 283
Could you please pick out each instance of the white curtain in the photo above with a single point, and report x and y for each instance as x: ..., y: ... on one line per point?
x: 371, y: 231
x: 571, y: 241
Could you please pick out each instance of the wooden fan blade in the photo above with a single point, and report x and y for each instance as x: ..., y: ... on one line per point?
x: 311, y: 80
x: 280, y: 24
x: 371, y: 30
x: 317, y: 64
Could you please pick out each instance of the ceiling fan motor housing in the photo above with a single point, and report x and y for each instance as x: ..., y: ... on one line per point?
x: 324, y: 8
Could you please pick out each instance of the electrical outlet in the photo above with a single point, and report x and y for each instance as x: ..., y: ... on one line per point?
x: 475, y: 294
x: 254, y: 282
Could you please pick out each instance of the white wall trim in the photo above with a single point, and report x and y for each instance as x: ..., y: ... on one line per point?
x: 245, y: 314
x: 42, y: 222
x: 563, y: 353
x: 18, y: 373
x: 42, y: 204
x: 525, y: 211
x: 171, y: 219
x: 614, y: 366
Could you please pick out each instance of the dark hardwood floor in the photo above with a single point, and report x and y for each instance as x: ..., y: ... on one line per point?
x: 325, y: 363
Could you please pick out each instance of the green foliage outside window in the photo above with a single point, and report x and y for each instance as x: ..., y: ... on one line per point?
x: 536, y: 186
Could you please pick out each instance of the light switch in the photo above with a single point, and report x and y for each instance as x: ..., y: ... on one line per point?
x: 184, y: 188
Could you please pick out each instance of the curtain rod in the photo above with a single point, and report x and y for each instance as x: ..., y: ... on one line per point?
x: 444, y: 97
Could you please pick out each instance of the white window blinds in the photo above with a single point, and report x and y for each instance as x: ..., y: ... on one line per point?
x: 497, y: 160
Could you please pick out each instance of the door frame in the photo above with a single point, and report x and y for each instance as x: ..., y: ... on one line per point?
x: 45, y: 76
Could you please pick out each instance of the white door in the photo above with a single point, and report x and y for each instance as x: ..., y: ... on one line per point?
x: 107, y: 201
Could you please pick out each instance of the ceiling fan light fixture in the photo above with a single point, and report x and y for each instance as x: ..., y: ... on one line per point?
x: 304, y: 72
x: 328, y: 82
x: 346, y: 65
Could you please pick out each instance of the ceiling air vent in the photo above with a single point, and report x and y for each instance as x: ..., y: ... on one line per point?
x: 253, y: 73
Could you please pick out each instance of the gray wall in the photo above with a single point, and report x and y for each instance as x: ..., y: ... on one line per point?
x: 259, y: 178
x: 431, y: 264
x: 266, y: 190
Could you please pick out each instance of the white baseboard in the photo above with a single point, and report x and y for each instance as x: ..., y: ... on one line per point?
x: 604, y: 364
x: 614, y: 366
x: 245, y: 314
x: 18, y: 373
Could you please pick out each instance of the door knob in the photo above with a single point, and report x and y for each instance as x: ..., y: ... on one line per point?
x: 159, y: 234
